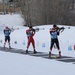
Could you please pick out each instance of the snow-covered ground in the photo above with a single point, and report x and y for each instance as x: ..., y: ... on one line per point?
x: 16, y: 64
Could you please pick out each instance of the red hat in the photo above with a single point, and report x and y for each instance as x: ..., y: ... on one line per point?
x: 6, y: 27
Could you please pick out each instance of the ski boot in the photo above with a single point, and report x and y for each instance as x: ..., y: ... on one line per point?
x: 4, y: 46
x: 49, y: 54
x: 9, y: 47
x: 26, y: 51
x: 59, y: 56
x: 35, y: 51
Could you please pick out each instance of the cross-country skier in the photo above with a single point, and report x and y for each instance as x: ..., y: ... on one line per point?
x: 30, y: 33
x: 54, y: 32
x: 7, y: 32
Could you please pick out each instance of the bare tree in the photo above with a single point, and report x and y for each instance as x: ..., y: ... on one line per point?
x: 48, y: 11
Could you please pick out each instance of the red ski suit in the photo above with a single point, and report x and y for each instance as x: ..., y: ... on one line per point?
x: 30, y: 34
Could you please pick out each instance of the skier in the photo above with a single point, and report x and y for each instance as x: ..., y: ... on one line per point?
x: 30, y: 33
x: 54, y: 32
x: 7, y: 32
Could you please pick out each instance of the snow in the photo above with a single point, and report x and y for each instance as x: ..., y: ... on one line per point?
x: 17, y: 64
x: 11, y: 20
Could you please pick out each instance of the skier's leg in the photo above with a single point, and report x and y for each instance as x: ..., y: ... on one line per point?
x: 5, y: 41
x: 28, y: 44
x: 9, y: 41
x: 52, y: 43
x: 33, y: 44
x: 57, y: 44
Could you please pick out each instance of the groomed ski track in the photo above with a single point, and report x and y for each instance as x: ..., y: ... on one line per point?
x: 65, y: 59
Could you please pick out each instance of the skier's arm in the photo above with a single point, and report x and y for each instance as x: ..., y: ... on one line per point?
x: 59, y: 29
x: 51, y: 32
x: 34, y: 31
x: 9, y: 31
x: 27, y: 33
x: 4, y: 31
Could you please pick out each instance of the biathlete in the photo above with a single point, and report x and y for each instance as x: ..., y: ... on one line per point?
x: 54, y: 32
x: 30, y: 33
x: 7, y: 33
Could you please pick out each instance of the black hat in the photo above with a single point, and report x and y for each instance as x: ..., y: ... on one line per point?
x: 54, y: 25
x: 30, y: 26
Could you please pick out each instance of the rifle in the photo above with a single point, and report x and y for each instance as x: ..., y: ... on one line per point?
x: 60, y: 29
x: 37, y: 29
x: 12, y: 29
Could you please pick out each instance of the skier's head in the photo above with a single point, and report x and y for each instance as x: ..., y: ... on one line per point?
x: 30, y: 27
x: 54, y: 26
x: 6, y: 27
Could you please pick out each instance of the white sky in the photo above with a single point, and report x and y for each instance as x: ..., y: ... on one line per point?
x: 17, y: 64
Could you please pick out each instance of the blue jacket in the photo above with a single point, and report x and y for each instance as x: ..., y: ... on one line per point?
x: 7, y: 32
x: 54, y: 34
